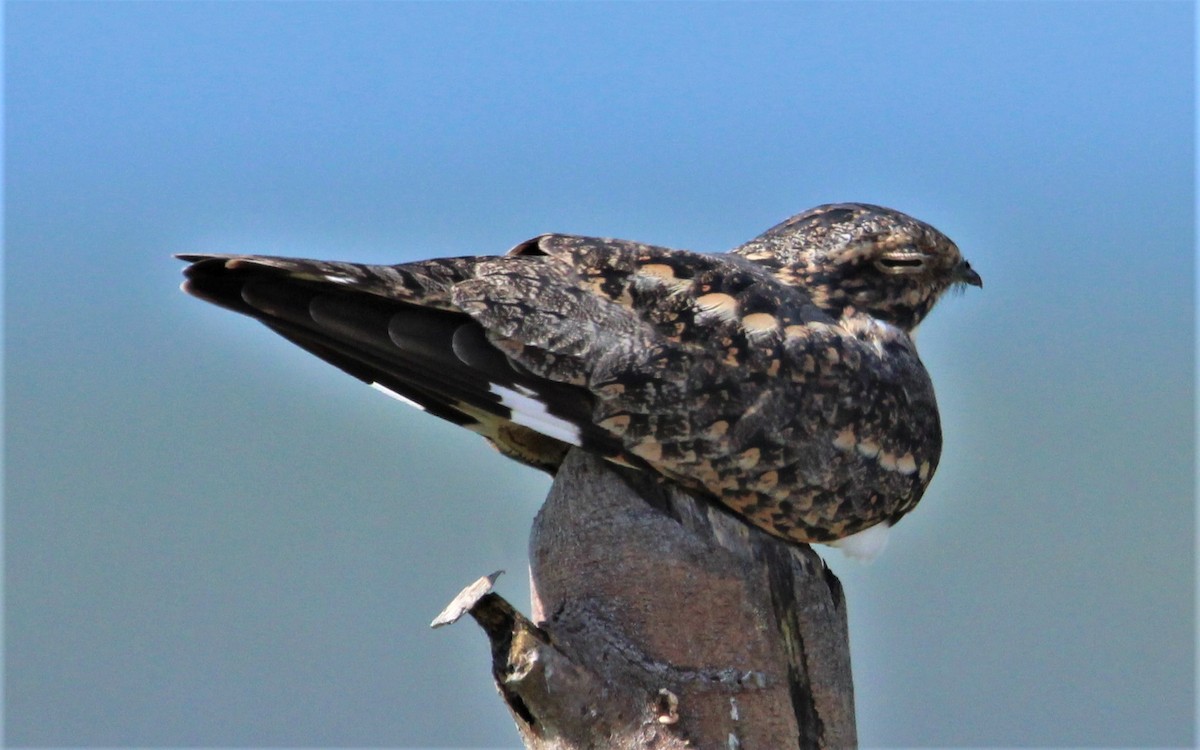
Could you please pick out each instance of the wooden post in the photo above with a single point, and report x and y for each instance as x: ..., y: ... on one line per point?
x: 662, y: 621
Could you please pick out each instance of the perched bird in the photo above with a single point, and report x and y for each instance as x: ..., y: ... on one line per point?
x: 780, y: 379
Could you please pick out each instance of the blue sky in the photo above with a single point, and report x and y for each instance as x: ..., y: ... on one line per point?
x: 211, y: 539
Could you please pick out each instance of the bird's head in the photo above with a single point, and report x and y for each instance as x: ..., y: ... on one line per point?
x: 874, y: 259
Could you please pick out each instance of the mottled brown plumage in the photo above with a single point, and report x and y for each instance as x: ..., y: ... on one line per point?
x: 780, y: 379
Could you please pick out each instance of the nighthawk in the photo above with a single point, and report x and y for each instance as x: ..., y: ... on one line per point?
x: 780, y: 379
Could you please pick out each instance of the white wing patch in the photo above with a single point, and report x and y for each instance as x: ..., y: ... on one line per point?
x: 866, y: 545
x: 527, y: 411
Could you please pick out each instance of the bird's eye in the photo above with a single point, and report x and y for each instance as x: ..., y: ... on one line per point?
x: 900, y: 263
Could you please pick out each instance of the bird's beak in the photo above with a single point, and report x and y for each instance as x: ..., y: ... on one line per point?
x: 967, y: 275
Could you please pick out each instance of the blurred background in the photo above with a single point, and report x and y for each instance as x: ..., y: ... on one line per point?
x: 213, y: 539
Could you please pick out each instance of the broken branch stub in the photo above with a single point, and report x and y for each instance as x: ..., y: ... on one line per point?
x: 663, y: 621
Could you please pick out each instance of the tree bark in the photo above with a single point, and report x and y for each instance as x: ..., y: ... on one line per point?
x: 662, y: 621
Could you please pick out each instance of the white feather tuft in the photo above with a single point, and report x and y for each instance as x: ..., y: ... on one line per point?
x: 402, y: 399
x: 866, y: 545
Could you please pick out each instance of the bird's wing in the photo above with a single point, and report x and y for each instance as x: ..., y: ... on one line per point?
x: 394, y: 328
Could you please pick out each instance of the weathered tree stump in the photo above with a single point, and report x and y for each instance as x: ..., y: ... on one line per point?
x: 661, y: 621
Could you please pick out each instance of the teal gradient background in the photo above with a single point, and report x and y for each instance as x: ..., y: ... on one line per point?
x: 213, y: 539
